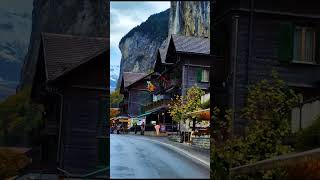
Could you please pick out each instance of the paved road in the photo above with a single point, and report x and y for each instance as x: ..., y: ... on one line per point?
x: 137, y: 157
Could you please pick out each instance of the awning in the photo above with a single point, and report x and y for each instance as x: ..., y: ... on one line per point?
x: 120, y: 118
x: 145, y: 114
x: 204, y: 114
x: 124, y: 120
x: 200, y: 111
x: 152, y: 111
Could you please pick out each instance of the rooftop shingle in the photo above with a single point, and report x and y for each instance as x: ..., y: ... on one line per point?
x: 131, y: 77
x: 191, y: 44
x: 62, y: 53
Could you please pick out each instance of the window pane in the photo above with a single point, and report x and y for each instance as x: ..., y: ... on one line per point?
x: 309, y: 46
x: 205, y: 76
x: 297, y: 44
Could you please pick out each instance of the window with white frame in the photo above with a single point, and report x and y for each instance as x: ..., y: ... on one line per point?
x: 304, y: 44
x: 202, y: 75
x: 205, y: 75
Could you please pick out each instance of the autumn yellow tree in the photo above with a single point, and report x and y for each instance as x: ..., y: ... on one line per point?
x: 182, y: 105
x: 114, y: 112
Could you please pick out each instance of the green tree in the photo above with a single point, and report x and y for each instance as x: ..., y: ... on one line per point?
x: 269, y: 103
x: 115, y: 98
x: 20, y: 118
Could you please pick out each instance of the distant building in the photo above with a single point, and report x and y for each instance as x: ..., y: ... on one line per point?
x: 70, y: 81
x: 131, y: 99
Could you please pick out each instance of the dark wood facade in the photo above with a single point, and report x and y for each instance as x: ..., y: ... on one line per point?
x: 178, y: 67
x: 189, y: 57
x: 133, y: 95
x: 70, y: 81
x: 252, y: 38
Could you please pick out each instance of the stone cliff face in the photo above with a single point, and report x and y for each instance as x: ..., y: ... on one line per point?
x: 139, y: 46
x: 191, y: 18
x: 75, y: 17
x: 15, y: 29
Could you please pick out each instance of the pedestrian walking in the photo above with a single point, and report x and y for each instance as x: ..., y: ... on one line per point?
x: 157, y: 127
x: 118, y: 129
x: 135, y: 128
x: 111, y: 130
x: 142, y: 128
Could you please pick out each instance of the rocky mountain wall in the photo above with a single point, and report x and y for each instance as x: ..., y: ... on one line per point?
x: 140, y: 45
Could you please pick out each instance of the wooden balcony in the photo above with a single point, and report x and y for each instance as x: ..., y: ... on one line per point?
x: 157, y: 104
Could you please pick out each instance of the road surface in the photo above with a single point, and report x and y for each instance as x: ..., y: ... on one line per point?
x: 137, y: 157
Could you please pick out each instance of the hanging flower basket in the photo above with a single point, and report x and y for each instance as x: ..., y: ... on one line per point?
x: 205, y: 115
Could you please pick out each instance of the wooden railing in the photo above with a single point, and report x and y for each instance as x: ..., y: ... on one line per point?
x: 278, y: 161
x: 305, y: 114
x: 153, y: 105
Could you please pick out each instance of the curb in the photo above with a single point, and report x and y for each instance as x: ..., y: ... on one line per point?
x: 183, y: 152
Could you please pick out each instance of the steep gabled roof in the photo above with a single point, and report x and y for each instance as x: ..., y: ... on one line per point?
x: 131, y: 77
x: 63, y: 53
x: 162, y: 53
x: 191, y: 44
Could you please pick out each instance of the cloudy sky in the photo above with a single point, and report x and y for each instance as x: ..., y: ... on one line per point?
x: 126, y: 15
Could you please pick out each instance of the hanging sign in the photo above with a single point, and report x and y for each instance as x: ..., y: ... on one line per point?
x: 150, y: 86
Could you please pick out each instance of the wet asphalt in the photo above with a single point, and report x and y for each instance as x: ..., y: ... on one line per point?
x: 136, y: 157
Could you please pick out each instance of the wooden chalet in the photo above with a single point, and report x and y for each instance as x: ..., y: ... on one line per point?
x: 191, y: 63
x: 183, y: 63
x: 70, y: 81
x: 131, y: 101
x: 251, y: 38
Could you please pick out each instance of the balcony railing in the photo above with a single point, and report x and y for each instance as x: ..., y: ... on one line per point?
x: 153, y: 105
x: 170, y: 84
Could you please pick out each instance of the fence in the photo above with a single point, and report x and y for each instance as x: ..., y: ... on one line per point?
x: 305, y: 114
x: 278, y: 161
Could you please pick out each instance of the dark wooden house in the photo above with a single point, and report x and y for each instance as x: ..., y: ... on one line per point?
x: 185, y: 62
x: 251, y: 38
x: 191, y: 58
x: 70, y: 81
x: 131, y: 98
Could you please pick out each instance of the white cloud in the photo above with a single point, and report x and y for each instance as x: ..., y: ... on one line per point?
x: 126, y: 15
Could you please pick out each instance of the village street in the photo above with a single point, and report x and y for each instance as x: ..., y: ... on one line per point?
x: 145, y: 157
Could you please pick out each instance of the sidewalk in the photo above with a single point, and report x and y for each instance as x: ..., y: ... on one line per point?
x: 195, y: 153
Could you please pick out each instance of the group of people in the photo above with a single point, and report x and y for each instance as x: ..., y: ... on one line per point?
x: 120, y: 128
x: 142, y: 128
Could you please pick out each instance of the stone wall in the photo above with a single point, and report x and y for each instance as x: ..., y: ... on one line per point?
x: 201, y: 142
x: 148, y: 133
x: 175, y: 138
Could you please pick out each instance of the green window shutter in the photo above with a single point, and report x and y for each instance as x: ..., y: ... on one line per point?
x: 286, y: 42
x: 199, y: 75
x: 318, y: 46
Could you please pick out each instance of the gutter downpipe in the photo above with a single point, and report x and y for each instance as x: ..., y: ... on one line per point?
x: 235, y: 55
x: 60, y: 126
x: 250, y: 43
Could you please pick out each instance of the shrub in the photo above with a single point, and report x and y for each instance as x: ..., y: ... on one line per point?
x: 267, y: 112
x: 20, y: 117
